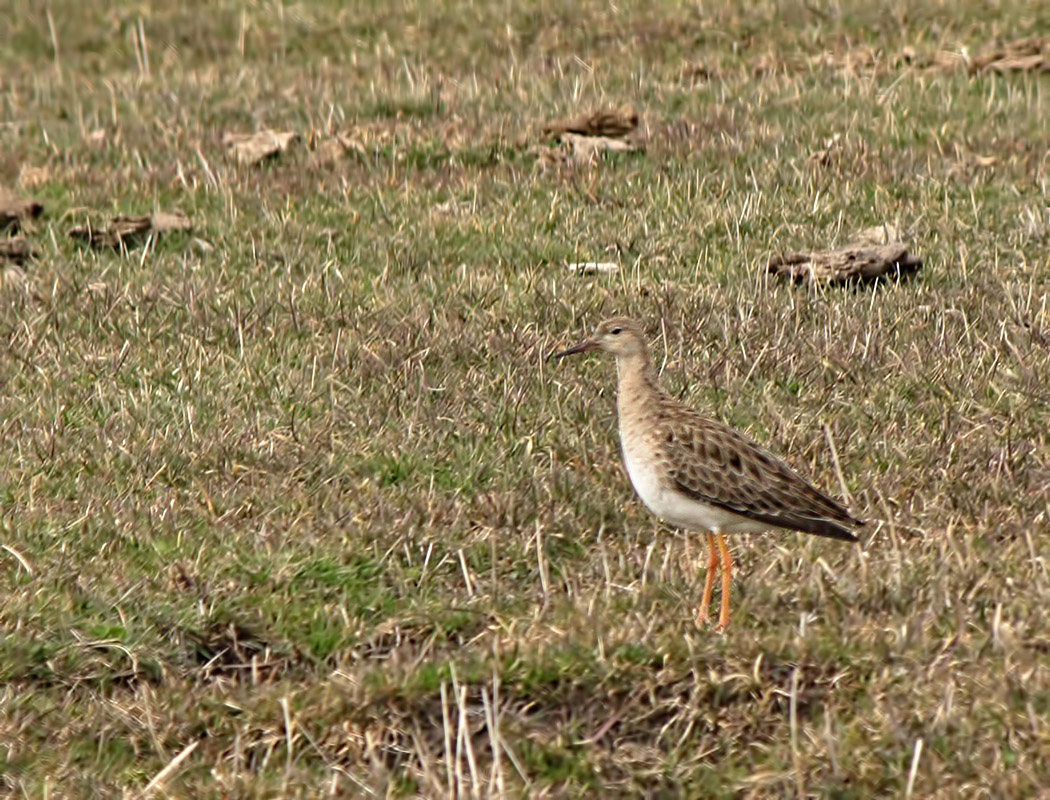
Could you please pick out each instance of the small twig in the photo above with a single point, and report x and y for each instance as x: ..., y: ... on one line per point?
x: 916, y: 754
x: 800, y: 786
x: 18, y: 557
x: 838, y: 466
x: 164, y: 774
x: 450, y: 772
x: 541, y: 564
x: 289, y: 728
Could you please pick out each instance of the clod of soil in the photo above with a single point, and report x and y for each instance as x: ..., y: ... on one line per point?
x: 15, y: 249
x: 15, y: 211
x: 1024, y: 55
x: 875, y: 253
x: 254, y: 148
x: 123, y: 232
x: 616, y: 123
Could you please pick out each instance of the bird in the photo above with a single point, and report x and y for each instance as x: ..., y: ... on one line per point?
x: 697, y: 473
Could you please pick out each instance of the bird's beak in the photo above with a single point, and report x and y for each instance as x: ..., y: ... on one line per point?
x: 586, y: 346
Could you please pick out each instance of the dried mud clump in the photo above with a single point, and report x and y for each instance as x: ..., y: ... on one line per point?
x: 873, y: 254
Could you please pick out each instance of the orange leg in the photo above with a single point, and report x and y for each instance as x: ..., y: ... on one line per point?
x: 709, y: 579
x: 727, y: 575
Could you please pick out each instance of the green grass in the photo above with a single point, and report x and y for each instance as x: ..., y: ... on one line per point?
x: 309, y: 499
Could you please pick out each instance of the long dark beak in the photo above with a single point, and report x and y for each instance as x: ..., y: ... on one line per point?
x: 586, y: 346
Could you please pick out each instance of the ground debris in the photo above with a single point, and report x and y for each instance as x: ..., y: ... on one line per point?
x: 1031, y: 54
x: 576, y: 150
x: 581, y: 139
x: 254, y: 148
x: 825, y: 155
x: 697, y: 72
x: 351, y: 142
x: 967, y: 164
x: 16, y: 211
x: 594, y: 267
x: 613, y: 123
x: 875, y: 253
x: 328, y: 151
x: 15, y: 249
x: 362, y: 141
x: 12, y: 275
x: 124, y: 232
x: 587, y: 148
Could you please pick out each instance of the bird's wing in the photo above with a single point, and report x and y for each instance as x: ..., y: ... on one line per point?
x: 714, y: 464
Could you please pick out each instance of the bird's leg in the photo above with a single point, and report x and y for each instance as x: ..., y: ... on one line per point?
x: 709, y: 579
x: 727, y: 574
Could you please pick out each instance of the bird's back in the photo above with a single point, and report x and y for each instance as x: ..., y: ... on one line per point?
x: 711, y: 464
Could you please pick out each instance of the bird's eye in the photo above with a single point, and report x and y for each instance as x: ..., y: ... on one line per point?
x: 615, y: 331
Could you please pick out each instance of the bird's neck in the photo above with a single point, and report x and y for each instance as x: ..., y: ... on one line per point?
x: 637, y: 383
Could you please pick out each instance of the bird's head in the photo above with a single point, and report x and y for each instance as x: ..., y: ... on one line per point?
x: 620, y: 336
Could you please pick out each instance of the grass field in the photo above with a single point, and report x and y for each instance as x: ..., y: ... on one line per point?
x: 292, y: 505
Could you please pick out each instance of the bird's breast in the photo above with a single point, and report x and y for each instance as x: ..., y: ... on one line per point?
x: 644, y: 474
x: 647, y: 469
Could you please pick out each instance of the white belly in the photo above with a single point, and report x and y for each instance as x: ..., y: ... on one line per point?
x: 677, y: 509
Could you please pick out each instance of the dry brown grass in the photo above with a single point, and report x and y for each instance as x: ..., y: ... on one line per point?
x: 293, y: 504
